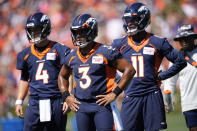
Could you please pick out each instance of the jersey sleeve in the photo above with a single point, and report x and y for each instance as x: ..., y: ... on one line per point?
x: 170, y: 83
x: 20, y: 61
x: 24, y: 74
x: 111, y: 53
x: 67, y: 60
x: 63, y: 52
x: 175, y: 57
x: 116, y: 44
x: 22, y: 65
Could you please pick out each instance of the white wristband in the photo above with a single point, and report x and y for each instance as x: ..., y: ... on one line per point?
x: 19, y: 102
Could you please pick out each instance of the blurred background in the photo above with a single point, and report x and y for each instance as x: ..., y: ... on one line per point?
x: 167, y: 16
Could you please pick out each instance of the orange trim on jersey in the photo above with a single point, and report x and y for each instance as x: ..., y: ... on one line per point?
x: 110, y: 74
x: 55, y: 52
x: 138, y: 47
x: 84, y: 59
x: 105, y: 60
x: 122, y: 48
x: 42, y: 54
x: 158, y: 59
x: 114, y: 127
x: 73, y: 57
x: 25, y: 58
x: 74, y: 85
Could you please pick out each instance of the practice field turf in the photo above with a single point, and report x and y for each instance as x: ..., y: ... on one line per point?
x: 176, y: 122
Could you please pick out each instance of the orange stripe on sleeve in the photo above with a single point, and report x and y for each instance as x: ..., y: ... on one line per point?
x: 71, y: 60
x: 25, y: 58
x: 158, y: 59
x: 122, y: 48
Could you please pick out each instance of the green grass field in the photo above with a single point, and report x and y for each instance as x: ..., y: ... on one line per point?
x: 176, y: 122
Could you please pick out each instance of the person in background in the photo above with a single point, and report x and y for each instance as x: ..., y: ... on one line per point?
x: 142, y: 106
x: 40, y: 65
x: 187, y: 77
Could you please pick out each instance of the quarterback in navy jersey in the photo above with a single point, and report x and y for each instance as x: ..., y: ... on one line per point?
x: 94, y: 66
x: 143, y: 107
x: 40, y: 65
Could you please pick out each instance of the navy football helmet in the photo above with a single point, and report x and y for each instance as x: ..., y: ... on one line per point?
x: 38, y: 27
x: 138, y: 14
x: 84, y: 25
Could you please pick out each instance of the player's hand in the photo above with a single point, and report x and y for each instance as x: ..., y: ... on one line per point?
x: 19, y: 111
x: 72, y: 103
x: 106, y: 99
x: 65, y: 108
x: 166, y: 107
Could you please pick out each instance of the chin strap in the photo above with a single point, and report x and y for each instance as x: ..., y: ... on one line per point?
x: 82, y: 45
x: 132, y: 31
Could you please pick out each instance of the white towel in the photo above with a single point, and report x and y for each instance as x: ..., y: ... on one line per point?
x: 116, y: 115
x: 45, y: 110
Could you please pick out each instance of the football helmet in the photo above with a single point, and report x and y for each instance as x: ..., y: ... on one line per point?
x: 139, y: 15
x: 38, y: 27
x: 84, y: 26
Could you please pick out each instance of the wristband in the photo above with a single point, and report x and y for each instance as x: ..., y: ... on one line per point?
x: 65, y: 95
x: 117, y: 91
x: 19, y: 102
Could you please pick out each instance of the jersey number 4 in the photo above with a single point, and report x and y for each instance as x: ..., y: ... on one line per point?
x: 138, y: 64
x: 84, y: 71
x: 42, y: 74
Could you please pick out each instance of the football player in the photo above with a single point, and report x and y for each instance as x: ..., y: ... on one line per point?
x: 142, y: 107
x: 40, y: 65
x: 94, y: 66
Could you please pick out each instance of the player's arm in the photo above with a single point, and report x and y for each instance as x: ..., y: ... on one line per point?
x: 63, y: 83
x: 128, y: 72
x: 22, y: 92
x: 175, y: 57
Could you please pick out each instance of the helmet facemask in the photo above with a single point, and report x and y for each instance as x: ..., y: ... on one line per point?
x: 131, y: 24
x: 35, y: 35
x: 81, y: 36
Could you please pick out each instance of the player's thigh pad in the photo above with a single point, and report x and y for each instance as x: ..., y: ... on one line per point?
x: 191, y: 118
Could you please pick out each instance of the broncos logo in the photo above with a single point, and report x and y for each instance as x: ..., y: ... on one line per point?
x: 44, y: 17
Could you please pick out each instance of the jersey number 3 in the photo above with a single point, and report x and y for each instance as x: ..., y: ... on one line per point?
x: 138, y: 64
x: 42, y: 74
x: 84, y: 71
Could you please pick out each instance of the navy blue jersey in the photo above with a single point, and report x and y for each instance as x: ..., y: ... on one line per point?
x: 146, y: 58
x: 93, y: 73
x: 42, y: 68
